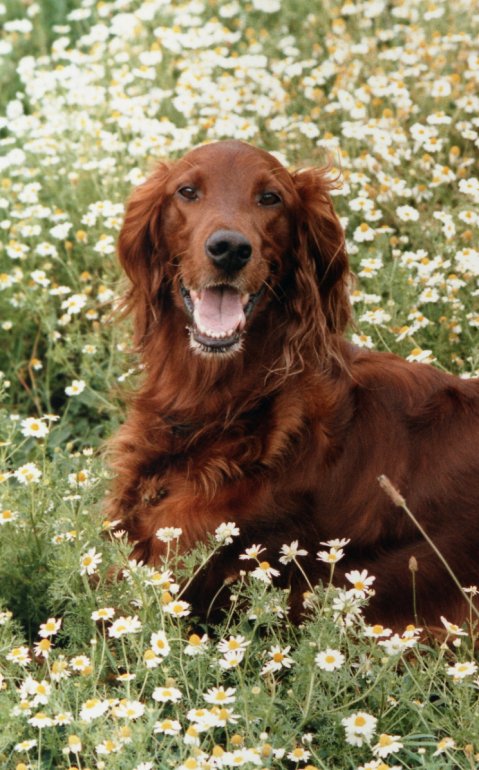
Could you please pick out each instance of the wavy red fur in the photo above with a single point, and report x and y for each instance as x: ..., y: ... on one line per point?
x: 287, y: 431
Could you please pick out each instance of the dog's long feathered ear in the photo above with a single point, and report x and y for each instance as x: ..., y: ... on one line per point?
x: 321, y: 298
x: 139, y: 250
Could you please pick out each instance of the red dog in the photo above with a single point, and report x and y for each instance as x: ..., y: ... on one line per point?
x: 255, y: 409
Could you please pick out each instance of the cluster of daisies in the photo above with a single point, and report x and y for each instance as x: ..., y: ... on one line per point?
x: 153, y: 683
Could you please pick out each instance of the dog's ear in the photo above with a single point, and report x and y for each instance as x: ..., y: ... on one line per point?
x: 322, y: 273
x: 139, y: 250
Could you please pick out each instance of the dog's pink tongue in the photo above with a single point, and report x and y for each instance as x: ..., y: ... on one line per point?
x: 219, y: 310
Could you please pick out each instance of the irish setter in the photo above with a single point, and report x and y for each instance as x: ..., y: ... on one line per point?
x: 254, y: 407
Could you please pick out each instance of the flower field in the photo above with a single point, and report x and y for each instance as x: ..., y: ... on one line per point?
x: 102, y: 673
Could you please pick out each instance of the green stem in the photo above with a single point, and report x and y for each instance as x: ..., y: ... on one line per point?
x: 39, y: 749
x: 182, y: 668
x: 33, y: 523
x: 309, y: 696
x: 125, y: 657
x: 198, y: 570
x: 308, y: 582
x: 142, y: 690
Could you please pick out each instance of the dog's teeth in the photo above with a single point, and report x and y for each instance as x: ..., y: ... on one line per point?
x: 245, y: 299
x: 212, y: 334
x: 216, y: 335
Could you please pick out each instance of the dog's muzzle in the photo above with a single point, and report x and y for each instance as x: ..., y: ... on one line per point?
x: 220, y: 314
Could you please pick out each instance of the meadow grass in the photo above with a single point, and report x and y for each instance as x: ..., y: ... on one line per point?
x: 99, y: 673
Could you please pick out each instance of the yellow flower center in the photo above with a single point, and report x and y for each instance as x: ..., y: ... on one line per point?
x: 385, y: 740
x: 360, y: 721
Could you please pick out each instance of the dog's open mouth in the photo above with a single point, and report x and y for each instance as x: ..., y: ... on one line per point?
x: 219, y: 314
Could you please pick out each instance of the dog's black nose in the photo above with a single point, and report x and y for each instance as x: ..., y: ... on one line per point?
x: 228, y: 250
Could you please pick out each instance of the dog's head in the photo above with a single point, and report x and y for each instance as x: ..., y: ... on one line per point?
x: 224, y: 232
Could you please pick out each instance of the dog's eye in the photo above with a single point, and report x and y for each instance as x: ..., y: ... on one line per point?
x: 269, y: 199
x: 189, y: 193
